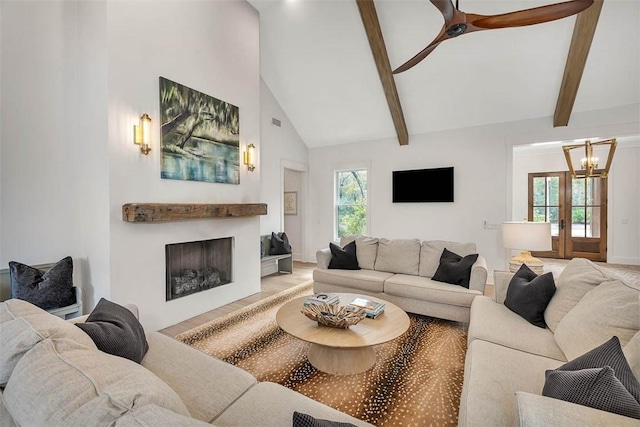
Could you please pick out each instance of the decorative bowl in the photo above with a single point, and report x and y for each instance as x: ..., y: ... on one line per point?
x: 333, y: 315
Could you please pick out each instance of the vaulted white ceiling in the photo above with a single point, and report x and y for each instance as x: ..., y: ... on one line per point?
x: 316, y: 60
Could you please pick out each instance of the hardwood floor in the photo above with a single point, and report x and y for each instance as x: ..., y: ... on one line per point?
x: 270, y: 285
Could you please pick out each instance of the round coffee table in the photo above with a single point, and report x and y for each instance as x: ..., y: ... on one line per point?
x: 343, y: 351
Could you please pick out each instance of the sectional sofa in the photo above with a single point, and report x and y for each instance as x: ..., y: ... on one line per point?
x: 507, y: 356
x: 51, y: 373
x: 400, y: 271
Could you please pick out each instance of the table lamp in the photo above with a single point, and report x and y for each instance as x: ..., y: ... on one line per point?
x: 526, y: 236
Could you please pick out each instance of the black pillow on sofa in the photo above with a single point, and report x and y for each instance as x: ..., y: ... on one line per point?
x: 47, y: 290
x: 594, y: 387
x: 455, y: 269
x: 607, y: 354
x: 529, y: 294
x: 279, y: 244
x: 306, y: 420
x: 115, y: 330
x: 344, y: 258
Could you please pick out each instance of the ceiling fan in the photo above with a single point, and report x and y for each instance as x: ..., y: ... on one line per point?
x: 457, y: 23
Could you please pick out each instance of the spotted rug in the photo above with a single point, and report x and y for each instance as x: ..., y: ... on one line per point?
x: 416, y: 381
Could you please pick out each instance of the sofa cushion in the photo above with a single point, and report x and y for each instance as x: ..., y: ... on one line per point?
x: 529, y: 294
x: 153, y: 416
x: 366, y: 249
x: 536, y: 411
x: 632, y: 353
x: 492, y: 375
x: 364, y: 280
x: 205, y: 377
x: 490, y: 321
x: 81, y: 384
x: 430, y: 252
x: 47, y: 290
x: 610, y: 309
x: 26, y: 325
x: 595, y: 387
x: 115, y: 330
x: 576, y: 279
x: 455, y: 269
x: 398, y: 256
x: 343, y: 258
x: 422, y: 288
x: 272, y: 405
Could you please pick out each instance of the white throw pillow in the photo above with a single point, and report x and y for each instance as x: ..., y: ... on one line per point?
x: 398, y: 256
x: 610, y: 309
x: 578, y: 277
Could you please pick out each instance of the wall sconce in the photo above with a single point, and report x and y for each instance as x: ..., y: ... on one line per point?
x: 589, y: 163
x: 143, y: 134
x: 250, y: 157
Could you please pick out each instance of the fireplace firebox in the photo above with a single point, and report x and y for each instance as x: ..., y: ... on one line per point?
x: 198, y: 266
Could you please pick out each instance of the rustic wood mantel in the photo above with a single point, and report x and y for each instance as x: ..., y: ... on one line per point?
x: 160, y: 212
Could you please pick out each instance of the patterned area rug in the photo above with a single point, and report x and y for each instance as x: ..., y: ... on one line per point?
x: 416, y: 381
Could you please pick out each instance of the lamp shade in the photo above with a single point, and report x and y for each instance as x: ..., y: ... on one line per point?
x: 530, y: 236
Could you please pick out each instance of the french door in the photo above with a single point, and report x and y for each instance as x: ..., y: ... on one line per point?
x: 577, y: 211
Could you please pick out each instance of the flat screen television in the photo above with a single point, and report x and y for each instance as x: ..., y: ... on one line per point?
x: 423, y: 185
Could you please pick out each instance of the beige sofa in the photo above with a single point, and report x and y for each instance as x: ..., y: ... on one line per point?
x: 507, y: 356
x: 400, y: 271
x: 51, y: 373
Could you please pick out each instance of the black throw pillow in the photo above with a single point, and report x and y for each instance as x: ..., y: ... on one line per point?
x: 115, y: 330
x: 607, y: 354
x: 53, y: 289
x: 279, y: 244
x: 594, y: 387
x: 344, y: 258
x: 529, y: 294
x: 455, y: 269
x: 306, y: 420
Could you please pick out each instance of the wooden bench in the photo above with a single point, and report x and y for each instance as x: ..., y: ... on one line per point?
x: 270, y: 264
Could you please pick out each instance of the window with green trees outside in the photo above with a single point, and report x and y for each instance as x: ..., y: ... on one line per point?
x: 351, y: 202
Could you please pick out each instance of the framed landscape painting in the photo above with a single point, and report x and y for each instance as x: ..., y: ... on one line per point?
x: 200, y: 136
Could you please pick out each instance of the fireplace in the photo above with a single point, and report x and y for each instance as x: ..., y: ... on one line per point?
x: 197, y: 266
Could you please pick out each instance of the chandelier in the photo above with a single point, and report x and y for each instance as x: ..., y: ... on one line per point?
x: 588, y: 165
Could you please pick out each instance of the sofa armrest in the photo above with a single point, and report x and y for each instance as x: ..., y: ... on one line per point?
x: 478, y: 279
x: 538, y: 411
x: 501, y: 281
x: 323, y: 257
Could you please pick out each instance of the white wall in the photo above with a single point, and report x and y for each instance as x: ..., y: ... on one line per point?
x: 212, y: 47
x: 75, y: 77
x: 281, y: 149
x: 482, y: 160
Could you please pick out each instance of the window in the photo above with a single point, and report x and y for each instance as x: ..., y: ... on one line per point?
x: 351, y: 202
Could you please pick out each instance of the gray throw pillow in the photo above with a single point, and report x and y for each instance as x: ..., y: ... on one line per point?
x: 343, y: 258
x: 306, y: 420
x: 529, y: 294
x: 607, y: 354
x: 279, y: 244
x: 115, y: 330
x: 47, y: 290
x: 455, y: 269
x: 594, y: 387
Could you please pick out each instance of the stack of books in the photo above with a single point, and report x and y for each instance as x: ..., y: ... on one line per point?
x: 372, y: 309
x: 318, y: 299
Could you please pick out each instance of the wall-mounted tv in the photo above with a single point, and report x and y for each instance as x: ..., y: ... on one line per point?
x: 423, y: 185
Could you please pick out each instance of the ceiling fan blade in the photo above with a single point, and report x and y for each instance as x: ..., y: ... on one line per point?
x: 446, y: 8
x: 536, y: 15
x: 419, y: 57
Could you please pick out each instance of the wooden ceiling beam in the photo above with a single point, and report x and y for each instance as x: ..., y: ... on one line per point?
x: 381, y: 58
x: 583, y: 31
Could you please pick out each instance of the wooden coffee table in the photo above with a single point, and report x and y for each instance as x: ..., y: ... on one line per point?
x: 343, y: 351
